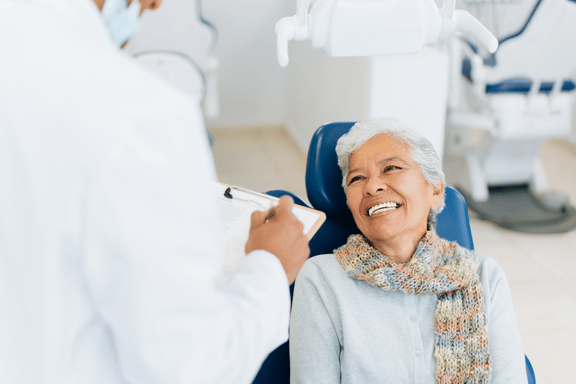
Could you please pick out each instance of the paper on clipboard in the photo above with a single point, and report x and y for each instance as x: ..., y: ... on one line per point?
x: 235, y: 212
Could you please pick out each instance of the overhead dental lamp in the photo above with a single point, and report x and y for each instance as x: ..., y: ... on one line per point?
x: 375, y: 27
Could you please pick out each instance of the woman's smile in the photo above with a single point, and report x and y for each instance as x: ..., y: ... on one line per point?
x: 383, y: 207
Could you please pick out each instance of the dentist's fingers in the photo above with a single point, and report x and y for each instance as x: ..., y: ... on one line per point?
x: 279, y: 232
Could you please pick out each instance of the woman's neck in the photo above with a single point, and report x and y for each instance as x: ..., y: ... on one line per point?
x: 399, y: 249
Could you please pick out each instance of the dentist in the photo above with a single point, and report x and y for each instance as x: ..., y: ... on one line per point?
x: 109, y: 240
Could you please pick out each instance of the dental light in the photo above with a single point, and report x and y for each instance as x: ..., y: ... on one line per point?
x: 375, y: 27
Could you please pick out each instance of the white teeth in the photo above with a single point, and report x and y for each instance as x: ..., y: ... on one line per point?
x: 382, y: 207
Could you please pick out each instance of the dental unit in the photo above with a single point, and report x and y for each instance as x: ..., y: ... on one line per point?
x: 515, y: 100
x: 375, y: 27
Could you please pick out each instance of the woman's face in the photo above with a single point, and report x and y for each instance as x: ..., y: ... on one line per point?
x: 387, y: 193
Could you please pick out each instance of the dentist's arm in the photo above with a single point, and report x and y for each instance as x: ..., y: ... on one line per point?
x: 154, y: 252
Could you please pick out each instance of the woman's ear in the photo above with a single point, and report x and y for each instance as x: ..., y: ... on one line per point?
x: 437, y: 195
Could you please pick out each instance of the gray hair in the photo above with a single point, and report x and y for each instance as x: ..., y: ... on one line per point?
x: 420, y: 148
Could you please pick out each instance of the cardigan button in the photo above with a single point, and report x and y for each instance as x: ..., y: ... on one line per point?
x: 418, y: 353
x: 413, y: 318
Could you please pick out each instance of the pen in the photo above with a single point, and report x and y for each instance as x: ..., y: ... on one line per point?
x: 271, y: 212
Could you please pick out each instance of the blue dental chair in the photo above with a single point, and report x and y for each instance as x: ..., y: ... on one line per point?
x: 515, y: 100
x: 323, y: 185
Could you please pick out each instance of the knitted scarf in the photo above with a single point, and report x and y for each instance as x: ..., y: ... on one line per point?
x: 445, y: 269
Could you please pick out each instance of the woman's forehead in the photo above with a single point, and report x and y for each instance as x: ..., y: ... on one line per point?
x: 380, y: 148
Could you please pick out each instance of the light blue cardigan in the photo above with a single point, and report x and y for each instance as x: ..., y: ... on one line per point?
x: 345, y: 331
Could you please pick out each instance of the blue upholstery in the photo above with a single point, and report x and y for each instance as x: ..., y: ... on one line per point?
x: 325, y: 193
x: 519, y: 85
x: 514, y: 85
x: 530, y: 371
x: 280, y: 192
x: 276, y: 367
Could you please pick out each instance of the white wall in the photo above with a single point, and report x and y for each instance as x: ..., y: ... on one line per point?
x: 250, y: 81
x: 323, y: 89
x: 410, y: 88
x: 414, y: 90
x: 574, y: 126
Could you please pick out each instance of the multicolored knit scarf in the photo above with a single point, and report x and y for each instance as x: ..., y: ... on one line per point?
x: 445, y: 269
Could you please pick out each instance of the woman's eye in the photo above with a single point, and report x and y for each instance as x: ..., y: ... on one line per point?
x: 390, y: 168
x: 355, y: 178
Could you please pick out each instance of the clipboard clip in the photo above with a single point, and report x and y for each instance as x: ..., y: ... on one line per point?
x: 228, y: 195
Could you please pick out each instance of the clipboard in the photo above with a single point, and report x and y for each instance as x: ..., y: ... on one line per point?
x: 246, y: 200
x: 236, y: 204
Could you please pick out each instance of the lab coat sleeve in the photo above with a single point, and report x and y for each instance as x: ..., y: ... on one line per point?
x: 154, y: 252
x: 508, y: 365
x: 314, y: 341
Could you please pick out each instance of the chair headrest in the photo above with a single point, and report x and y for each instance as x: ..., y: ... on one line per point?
x: 323, y: 176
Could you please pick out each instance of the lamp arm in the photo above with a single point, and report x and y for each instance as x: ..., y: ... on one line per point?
x: 462, y: 21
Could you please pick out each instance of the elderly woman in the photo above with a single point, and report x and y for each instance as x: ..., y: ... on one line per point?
x: 396, y: 303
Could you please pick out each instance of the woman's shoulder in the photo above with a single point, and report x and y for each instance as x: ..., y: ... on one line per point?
x: 326, y: 262
x: 322, y: 267
x: 488, y: 267
x: 491, y: 275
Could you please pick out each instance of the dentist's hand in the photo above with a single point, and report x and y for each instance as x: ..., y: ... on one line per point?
x: 279, y: 232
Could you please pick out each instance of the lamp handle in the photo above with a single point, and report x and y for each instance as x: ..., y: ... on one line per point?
x: 284, y: 33
x: 461, y: 21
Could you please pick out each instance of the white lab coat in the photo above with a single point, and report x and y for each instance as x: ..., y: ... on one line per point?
x: 109, y: 241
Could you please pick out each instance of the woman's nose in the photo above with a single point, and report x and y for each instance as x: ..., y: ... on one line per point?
x: 374, y: 185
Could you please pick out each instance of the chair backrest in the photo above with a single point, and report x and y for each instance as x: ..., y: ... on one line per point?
x: 325, y: 193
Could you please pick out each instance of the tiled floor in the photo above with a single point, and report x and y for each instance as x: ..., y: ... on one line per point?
x: 541, y: 269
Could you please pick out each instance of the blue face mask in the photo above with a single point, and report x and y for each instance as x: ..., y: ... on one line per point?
x: 122, y: 21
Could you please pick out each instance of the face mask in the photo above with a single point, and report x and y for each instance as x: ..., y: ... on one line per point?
x: 122, y: 21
